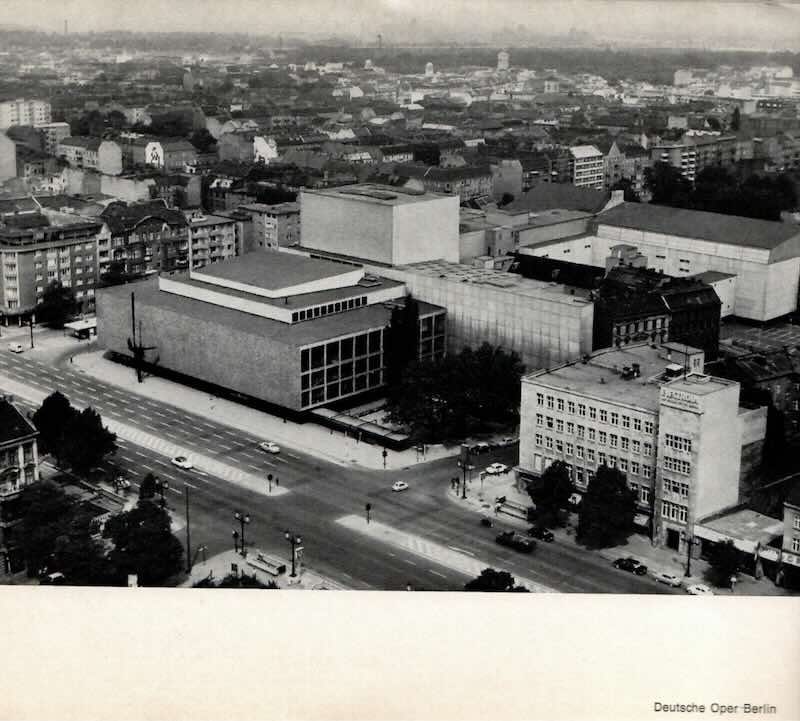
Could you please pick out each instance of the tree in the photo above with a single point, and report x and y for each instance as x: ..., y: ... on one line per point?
x: 147, y: 488
x: 116, y: 274
x: 46, y: 514
x: 736, y: 119
x: 402, y: 340
x: 58, y: 305
x: 494, y: 581
x: 667, y: 185
x: 723, y: 560
x: 88, y: 441
x: 54, y: 419
x: 234, y: 581
x: 202, y: 140
x: 629, y: 195
x: 117, y: 120
x: 144, y: 544
x: 550, y: 493
x: 607, y: 510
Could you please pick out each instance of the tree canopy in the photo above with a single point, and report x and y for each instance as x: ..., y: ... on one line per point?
x: 58, y: 305
x: 449, y: 398
x: 234, y: 581
x: 494, y: 581
x: 723, y: 560
x: 550, y: 493
x: 607, y: 510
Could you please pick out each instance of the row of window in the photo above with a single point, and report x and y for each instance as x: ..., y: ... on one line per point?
x: 679, y: 443
x: 676, y: 487
x: 584, y: 476
x: 339, y: 389
x: 328, y: 308
x: 678, y: 465
x: 612, y: 418
x: 796, y: 544
x: 602, y: 458
x: 336, y: 351
x: 674, y: 511
x: 51, y: 253
x: 602, y: 437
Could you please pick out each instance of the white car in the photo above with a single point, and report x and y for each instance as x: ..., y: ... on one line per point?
x: 669, y: 578
x: 699, y: 589
x: 16, y: 348
x: 122, y: 483
x: 575, y: 499
x: 182, y: 462
x: 399, y: 486
x: 269, y: 447
x: 496, y: 468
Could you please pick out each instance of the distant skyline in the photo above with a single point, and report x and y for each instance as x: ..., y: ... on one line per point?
x: 768, y: 24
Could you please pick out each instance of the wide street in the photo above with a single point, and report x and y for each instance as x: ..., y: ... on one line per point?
x: 319, y: 493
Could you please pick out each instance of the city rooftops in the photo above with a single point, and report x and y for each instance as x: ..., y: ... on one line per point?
x: 277, y: 209
x: 714, y: 227
x: 579, y: 152
x: 376, y: 193
x: 601, y: 375
x: 13, y: 424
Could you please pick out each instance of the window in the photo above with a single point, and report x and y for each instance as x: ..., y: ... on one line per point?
x: 626, y: 421
x: 590, y: 455
x: 560, y: 404
x: 645, y: 494
x: 612, y: 462
x: 581, y: 431
x: 559, y: 446
x: 679, y: 443
x: 591, y: 434
x: 539, y: 419
x: 623, y: 464
x: 637, y: 424
x: 550, y: 400
x: 614, y: 419
x: 540, y: 399
x: 549, y: 422
x: 796, y: 523
x: 635, y: 467
x: 636, y: 445
x: 571, y: 407
x: 648, y: 449
x: 602, y: 436
x: 678, y: 465
x: 548, y: 442
x: 578, y: 451
x: 648, y: 427
x: 647, y: 471
x: 538, y: 439
x: 560, y: 425
x: 612, y: 440
x: 603, y: 415
x: 673, y: 511
x: 592, y: 413
x: 581, y: 409
x: 570, y: 428
x: 624, y: 443
x: 796, y: 544
x: 579, y: 476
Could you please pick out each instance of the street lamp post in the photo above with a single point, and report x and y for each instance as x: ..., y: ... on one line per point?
x: 690, y: 541
x: 294, y: 541
x: 162, y: 486
x: 269, y: 483
x: 235, y: 535
x: 243, y: 519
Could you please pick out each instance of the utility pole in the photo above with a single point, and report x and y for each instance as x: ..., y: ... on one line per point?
x: 188, y: 536
x: 30, y: 323
x: 135, y: 346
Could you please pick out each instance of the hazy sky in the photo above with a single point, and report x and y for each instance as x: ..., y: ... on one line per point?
x: 770, y: 23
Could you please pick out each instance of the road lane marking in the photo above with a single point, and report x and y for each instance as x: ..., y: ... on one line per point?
x: 461, y: 550
x: 409, y: 562
x: 292, y: 455
x: 436, y: 573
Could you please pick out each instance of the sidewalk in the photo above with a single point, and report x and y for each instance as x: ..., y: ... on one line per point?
x: 637, y: 545
x: 219, y: 566
x: 309, y: 437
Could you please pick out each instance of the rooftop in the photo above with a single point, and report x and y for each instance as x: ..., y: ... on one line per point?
x: 13, y: 424
x: 715, y: 227
x: 375, y: 193
x: 585, y: 151
x: 712, y: 276
x: 560, y: 196
x: 746, y: 525
x: 277, y: 209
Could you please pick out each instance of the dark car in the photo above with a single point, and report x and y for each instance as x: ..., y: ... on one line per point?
x: 516, y: 541
x: 631, y: 565
x: 542, y: 533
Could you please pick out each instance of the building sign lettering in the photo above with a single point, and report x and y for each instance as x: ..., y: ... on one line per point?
x: 680, y: 399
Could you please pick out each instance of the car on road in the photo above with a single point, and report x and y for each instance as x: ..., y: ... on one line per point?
x: 122, y: 483
x: 515, y: 540
x: 269, y: 447
x: 631, y: 565
x: 182, y: 462
x: 699, y: 589
x: 481, y: 447
x: 670, y: 579
x: 16, y: 348
x: 399, y: 486
x: 496, y: 469
x: 542, y: 533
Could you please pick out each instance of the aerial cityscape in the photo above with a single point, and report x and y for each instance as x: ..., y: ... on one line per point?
x: 382, y: 304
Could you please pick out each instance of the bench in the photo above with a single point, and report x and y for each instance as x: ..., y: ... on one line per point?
x: 267, y: 564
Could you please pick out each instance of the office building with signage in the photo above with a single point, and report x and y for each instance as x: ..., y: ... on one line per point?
x: 283, y: 329
x: 650, y: 411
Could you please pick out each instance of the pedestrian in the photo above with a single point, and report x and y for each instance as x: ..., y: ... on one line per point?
x: 71, y: 358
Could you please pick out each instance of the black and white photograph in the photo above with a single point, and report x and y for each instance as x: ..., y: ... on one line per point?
x: 400, y: 301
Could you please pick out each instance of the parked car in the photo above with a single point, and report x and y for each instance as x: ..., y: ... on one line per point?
x: 481, y: 447
x: 496, y: 469
x: 399, y: 486
x: 182, y: 462
x: 16, y: 348
x: 631, y: 565
x: 486, y: 521
x: 542, y: 533
x: 269, y: 447
x: 699, y: 589
x: 670, y: 579
x: 122, y: 483
x: 574, y: 500
x: 515, y: 540
x: 53, y: 579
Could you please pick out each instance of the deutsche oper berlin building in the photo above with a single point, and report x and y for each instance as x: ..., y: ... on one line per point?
x: 676, y: 433
x: 284, y: 329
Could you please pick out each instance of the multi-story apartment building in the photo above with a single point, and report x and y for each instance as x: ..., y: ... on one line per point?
x: 212, y: 238
x: 24, y: 112
x: 36, y: 249
x: 88, y: 153
x: 144, y: 237
x: 468, y: 182
x: 52, y: 135
x: 586, y: 167
x: 274, y: 226
x: 19, y: 467
x: 693, y: 154
x: 650, y: 412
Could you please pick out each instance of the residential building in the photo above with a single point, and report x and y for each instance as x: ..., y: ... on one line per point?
x: 144, y: 238
x: 380, y: 224
x: 274, y: 226
x: 695, y: 153
x: 212, y: 238
x: 8, y: 158
x: 90, y: 153
x: 293, y: 332
x: 237, y: 146
x: 503, y: 59
x: 466, y: 182
x: 52, y: 135
x: 33, y: 165
x: 170, y: 154
x: 36, y: 249
x: 19, y: 468
x: 586, y: 167
x: 24, y: 112
x: 677, y: 434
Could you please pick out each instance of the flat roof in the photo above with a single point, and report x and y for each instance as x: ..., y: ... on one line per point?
x: 273, y: 270
x: 600, y: 376
x: 377, y: 193
x: 746, y: 525
x: 712, y: 276
x: 714, y: 227
x: 208, y: 219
